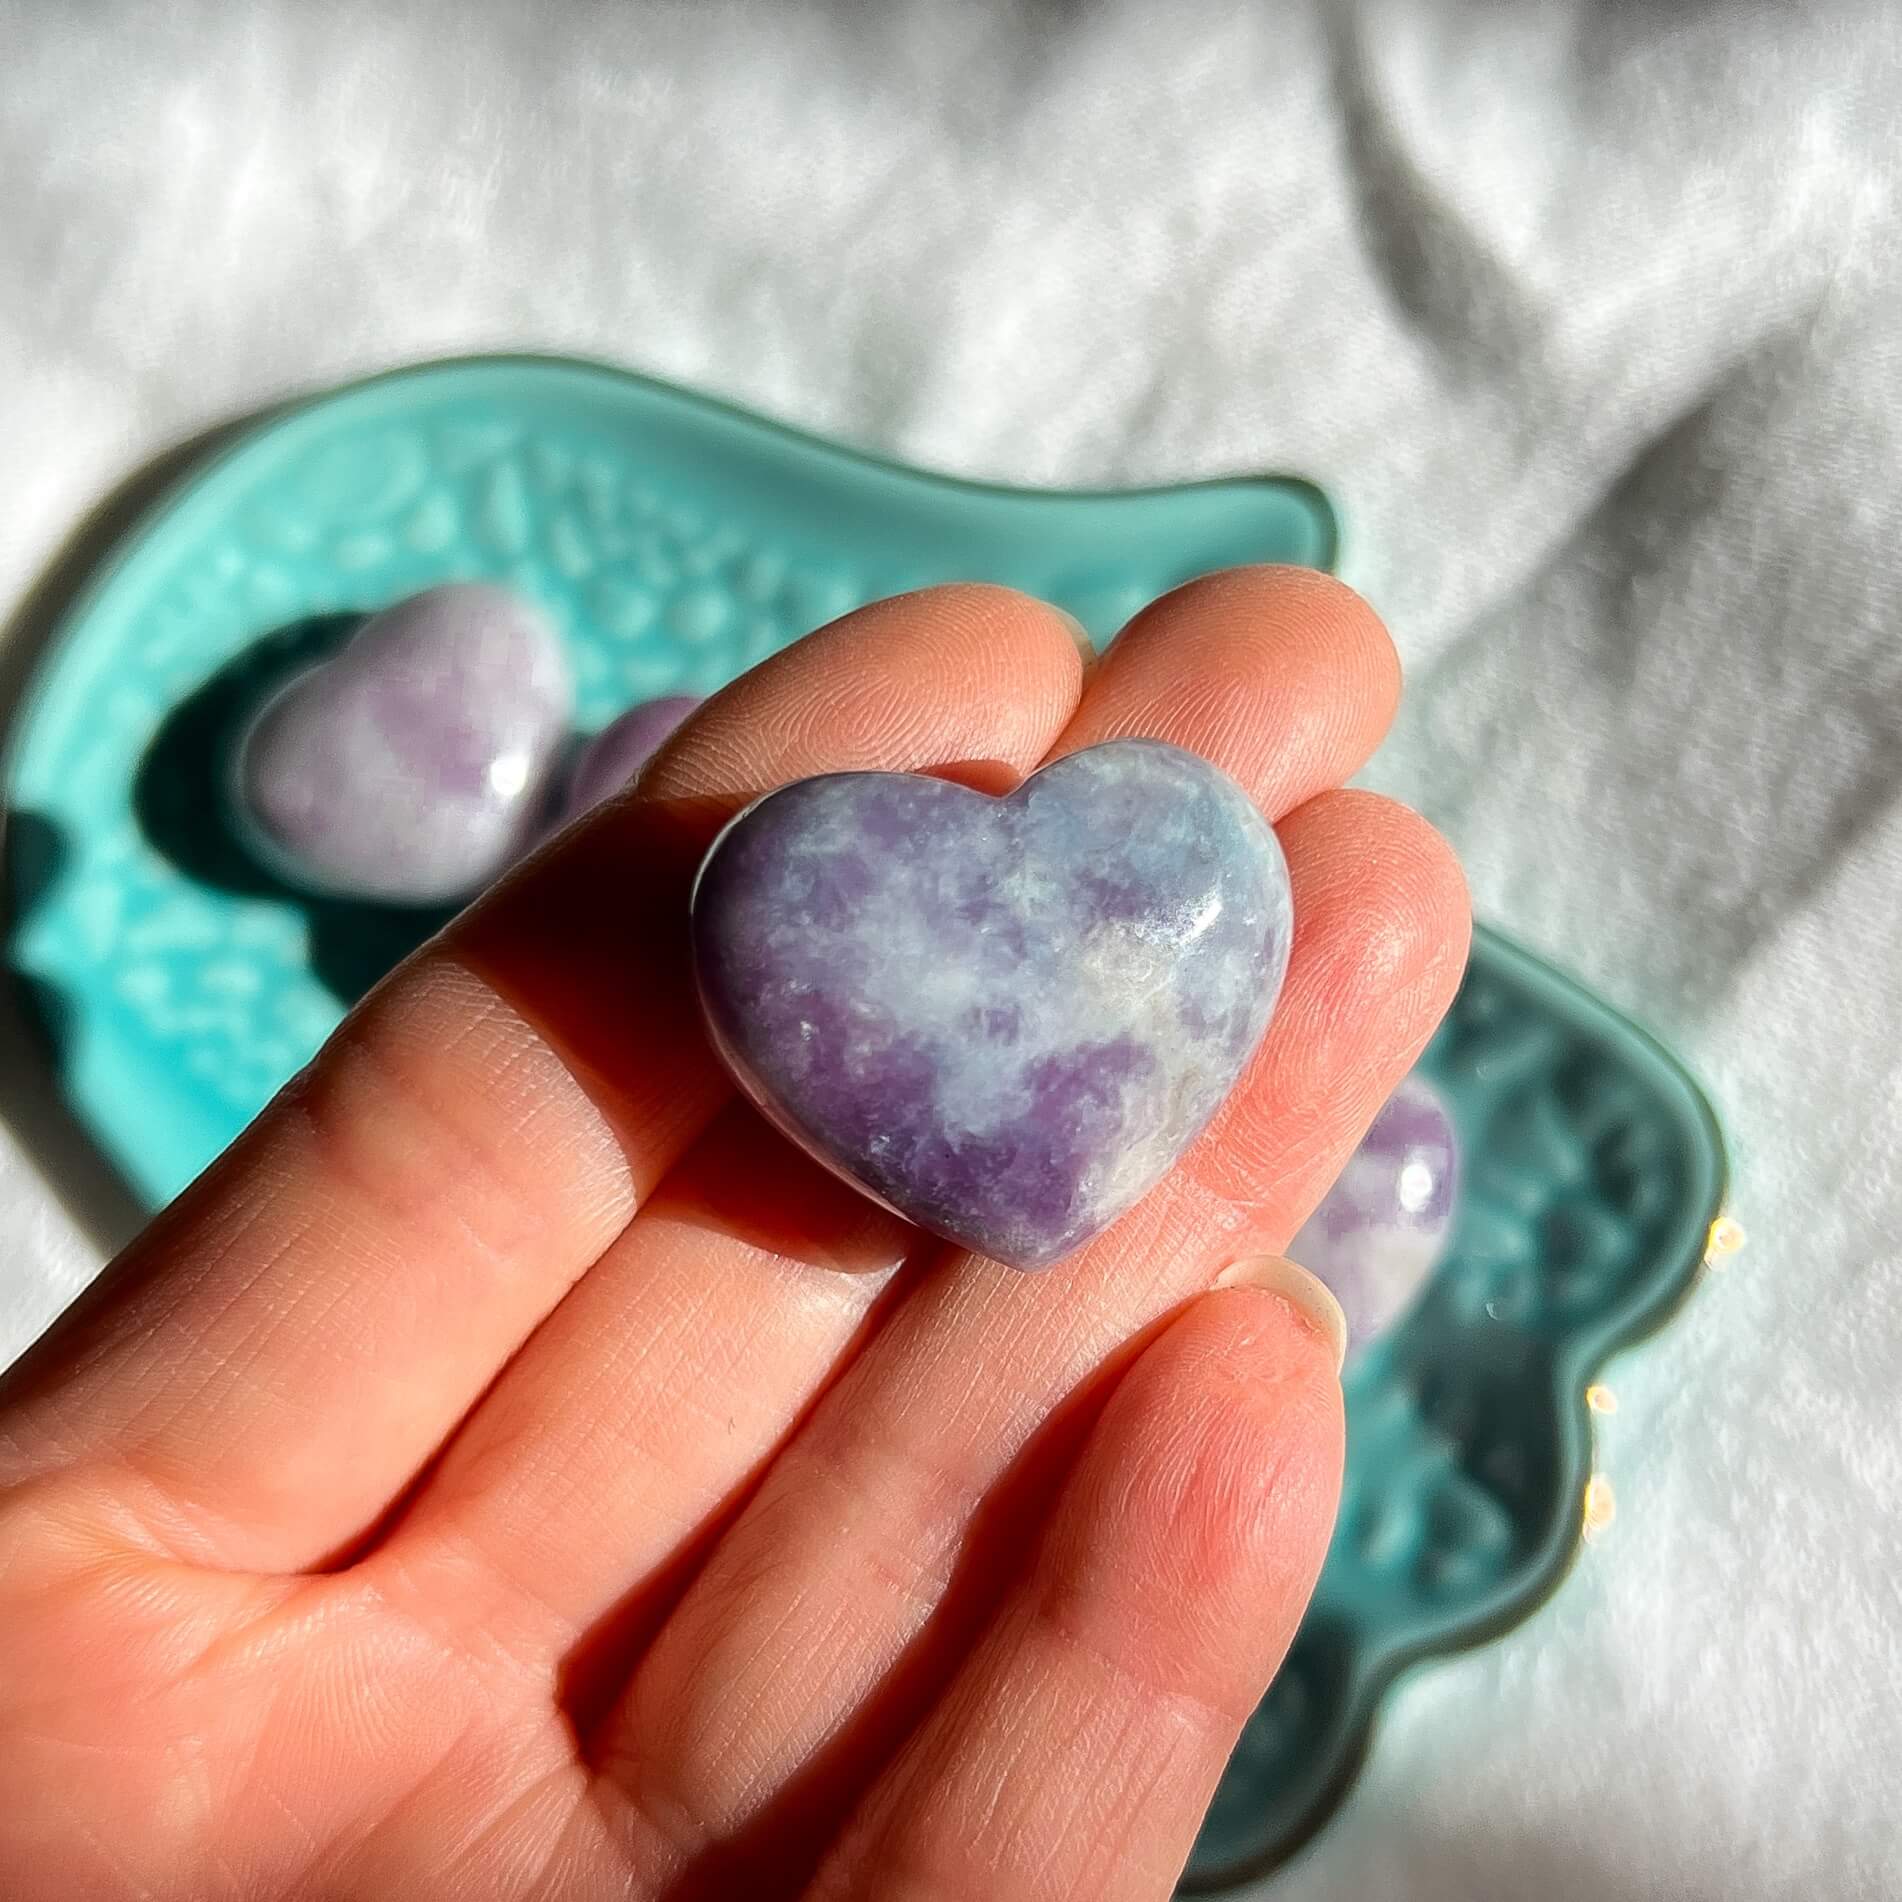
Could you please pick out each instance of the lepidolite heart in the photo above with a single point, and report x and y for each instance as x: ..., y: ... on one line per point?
x: 609, y: 761
x: 414, y: 765
x: 1003, y: 1018
x: 1382, y: 1227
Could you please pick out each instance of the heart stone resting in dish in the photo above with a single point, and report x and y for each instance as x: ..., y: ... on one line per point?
x: 1382, y: 1227
x: 414, y: 764
x: 609, y: 761
x: 1003, y: 1018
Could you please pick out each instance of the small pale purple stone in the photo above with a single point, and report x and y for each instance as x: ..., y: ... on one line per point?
x: 1383, y: 1225
x: 412, y: 767
x: 1003, y: 1018
x: 619, y: 751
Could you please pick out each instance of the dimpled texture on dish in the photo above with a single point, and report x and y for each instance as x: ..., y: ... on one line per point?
x: 674, y: 541
x: 1004, y: 1017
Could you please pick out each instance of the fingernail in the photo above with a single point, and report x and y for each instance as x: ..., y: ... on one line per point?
x: 1305, y: 1293
x: 1078, y: 633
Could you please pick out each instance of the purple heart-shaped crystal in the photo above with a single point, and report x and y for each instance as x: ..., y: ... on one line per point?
x: 413, y: 766
x: 1002, y: 1018
x: 1382, y: 1226
x: 610, y: 760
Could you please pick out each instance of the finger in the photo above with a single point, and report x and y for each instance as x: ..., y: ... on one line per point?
x: 1074, y: 1753
x: 267, y: 1368
x: 842, y: 1559
x: 1281, y: 676
x: 643, y: 1406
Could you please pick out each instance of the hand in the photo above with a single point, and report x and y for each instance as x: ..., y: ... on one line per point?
x: 512, y: 1471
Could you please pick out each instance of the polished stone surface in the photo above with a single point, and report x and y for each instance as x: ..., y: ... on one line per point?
x: 1384, y: 1224
x: 619, y: 751
x: 1004, y: 1018
x: 414, y: 765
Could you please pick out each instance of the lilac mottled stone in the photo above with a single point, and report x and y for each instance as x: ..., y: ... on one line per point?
x: 413, y: 765
x: 1003, y: 1018
x: 619, y: 751
x: 1381, y: 1228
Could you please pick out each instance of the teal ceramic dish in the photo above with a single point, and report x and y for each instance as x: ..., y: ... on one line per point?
x: 1592, y: 1179
x: 676, y: 542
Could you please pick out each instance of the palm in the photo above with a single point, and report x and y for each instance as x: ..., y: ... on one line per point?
x: 513, y: 1472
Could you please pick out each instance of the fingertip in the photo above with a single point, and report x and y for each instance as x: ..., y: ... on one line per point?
x: 1217, y: 1465
x: 1283, y: 676
x: 1178, y: 1563
x: 1387, y: 892
x: 1308, y: 1295
x: 1257, y: 1358
x: 1316, y: 610
x: 928, y: 679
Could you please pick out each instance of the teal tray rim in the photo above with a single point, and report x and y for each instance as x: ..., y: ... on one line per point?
x: 1578, y: 1361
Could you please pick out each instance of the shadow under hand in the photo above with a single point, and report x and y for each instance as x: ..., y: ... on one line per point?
x: 183, y: 802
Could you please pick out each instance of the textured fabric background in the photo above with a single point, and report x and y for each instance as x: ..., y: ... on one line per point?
x: 1588, y: 317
